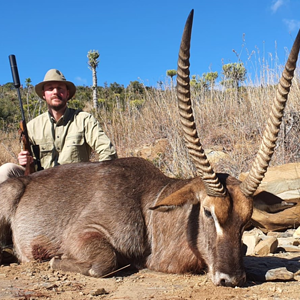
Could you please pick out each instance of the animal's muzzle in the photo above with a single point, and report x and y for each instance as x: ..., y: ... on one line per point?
x: 222, y: 279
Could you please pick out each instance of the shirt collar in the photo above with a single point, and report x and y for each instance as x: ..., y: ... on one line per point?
x: 64, y: 117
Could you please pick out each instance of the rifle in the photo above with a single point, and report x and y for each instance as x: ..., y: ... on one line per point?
x: 24, y: 139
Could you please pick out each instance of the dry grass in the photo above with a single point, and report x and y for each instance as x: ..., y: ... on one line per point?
x: 9, y: 147
x: 225, y: 121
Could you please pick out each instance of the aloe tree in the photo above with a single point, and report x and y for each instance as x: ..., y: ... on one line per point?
x: 171, y: 73
x: 234, y: 74
x: 28, y: 86
x: 211, y: 79
x: 93, y: 62
x: 199, y: 83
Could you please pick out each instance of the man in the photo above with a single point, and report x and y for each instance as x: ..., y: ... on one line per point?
x: 62, y: 135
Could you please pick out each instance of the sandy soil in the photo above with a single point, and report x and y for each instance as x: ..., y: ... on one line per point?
x: 37, y: 281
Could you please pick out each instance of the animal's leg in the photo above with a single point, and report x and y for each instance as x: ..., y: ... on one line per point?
x: 94, y: 257
x: 5, y: 241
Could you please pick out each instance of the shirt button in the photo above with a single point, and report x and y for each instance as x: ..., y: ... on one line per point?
x: 57, y: 137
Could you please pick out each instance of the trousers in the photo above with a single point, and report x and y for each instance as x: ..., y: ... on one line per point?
x: 10, y: 170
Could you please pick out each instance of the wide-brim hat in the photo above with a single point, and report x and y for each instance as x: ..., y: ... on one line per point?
x: 55, y: 75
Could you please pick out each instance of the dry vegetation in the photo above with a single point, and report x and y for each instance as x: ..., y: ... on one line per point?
x: 226, y: 120
x: 9, y: 146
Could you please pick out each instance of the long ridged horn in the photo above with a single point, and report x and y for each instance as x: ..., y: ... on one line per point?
x: 205, y: 171
x: 264, y: 155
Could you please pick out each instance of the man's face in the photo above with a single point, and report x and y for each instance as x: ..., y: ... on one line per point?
x: 56, y: 94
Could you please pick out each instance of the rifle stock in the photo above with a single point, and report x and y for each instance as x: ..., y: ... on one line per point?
x: 23, y: 128
x: 24, y: 139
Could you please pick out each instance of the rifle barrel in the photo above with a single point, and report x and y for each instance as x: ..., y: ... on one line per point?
x: 14, y: 70
x: 16, y: 79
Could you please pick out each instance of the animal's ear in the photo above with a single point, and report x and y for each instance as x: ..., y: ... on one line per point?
x: 185, y: 195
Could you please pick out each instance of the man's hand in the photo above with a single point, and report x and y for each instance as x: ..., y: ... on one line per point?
x: 23, y: 157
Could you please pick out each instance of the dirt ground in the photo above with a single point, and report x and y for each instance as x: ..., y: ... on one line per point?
x: 37, y: 281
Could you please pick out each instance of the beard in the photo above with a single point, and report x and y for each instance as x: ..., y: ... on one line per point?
x: 57, y: 106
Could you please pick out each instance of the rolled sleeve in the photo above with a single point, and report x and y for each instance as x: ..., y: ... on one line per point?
x: 98, y: 140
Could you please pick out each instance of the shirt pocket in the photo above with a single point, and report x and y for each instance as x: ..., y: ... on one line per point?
x: 43, y: 152
x: 76, y: 148
x: 75, y: 140
x: 45, y: 149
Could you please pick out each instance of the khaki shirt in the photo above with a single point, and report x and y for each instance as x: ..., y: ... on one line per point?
x: 71, y: 139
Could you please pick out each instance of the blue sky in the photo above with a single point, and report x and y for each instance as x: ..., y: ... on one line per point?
x: 139, y: 40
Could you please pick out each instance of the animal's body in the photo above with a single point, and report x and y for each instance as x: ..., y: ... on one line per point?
x: 97, y: 217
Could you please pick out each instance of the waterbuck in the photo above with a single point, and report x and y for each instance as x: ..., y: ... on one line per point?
x: 93, y: 218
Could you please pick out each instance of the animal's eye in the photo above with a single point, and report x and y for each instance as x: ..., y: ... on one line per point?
x: 207, y: 213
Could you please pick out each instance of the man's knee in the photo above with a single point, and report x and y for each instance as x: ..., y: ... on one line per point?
x: 10, y: 170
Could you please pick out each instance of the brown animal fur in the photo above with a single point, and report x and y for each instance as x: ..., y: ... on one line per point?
x: 110, y: 214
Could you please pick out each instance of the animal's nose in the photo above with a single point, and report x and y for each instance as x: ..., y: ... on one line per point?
x: 233, y: 281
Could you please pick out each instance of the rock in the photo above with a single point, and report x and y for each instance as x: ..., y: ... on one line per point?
x: 288, y: 244
x: 214, y: 156
x: 153, y: 151
x: 297, y: 233
x: 277, y: 199
x: 297, y: 277
x: 99, y: 292
x: 287, y: 241
x: 256, y: 231
x: 285, y: 234
x: 289, y: 248
x: 266, y: 246
x: 283, y: 181
x: 250, y: 241
x: 281, y: 274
